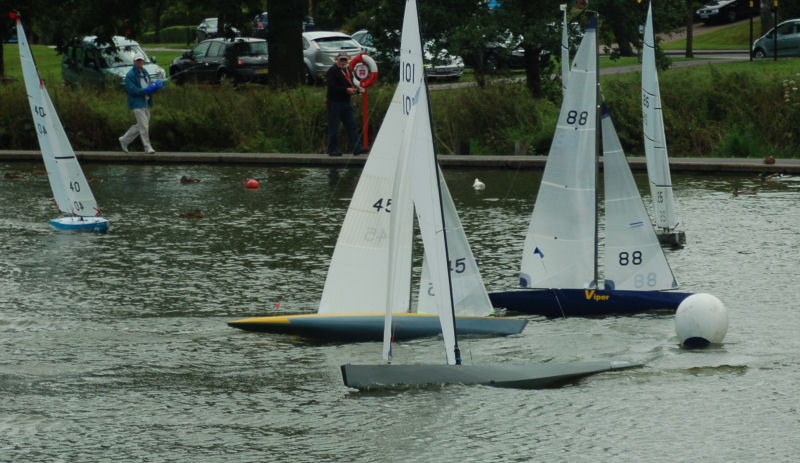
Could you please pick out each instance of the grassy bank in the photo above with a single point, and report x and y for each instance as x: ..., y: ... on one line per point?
x: 739, y: 109
x: 733, y: 37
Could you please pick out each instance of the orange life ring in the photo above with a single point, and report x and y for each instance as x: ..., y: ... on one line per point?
x: 367, y: 69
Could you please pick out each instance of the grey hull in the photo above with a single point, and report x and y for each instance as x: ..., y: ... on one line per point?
x: 513, y: 376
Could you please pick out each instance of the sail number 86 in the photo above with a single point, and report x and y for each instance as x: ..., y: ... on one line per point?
x: 573, y: 117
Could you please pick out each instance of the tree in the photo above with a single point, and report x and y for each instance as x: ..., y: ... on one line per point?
x: 284, y: 38
x: 689, y: 28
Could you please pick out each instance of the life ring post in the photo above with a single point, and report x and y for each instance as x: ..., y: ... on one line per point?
x: 366, y: 71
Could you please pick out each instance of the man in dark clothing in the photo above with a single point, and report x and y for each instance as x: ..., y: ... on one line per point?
x: 340, y: 87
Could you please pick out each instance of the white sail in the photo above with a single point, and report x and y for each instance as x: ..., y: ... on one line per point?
x: 356, y: 280
x: 634, y: 259
x: 655, y: 144
x: 469, y: 292
x: 560, y: 242
x: 69, y: 185
x: 428, y: 205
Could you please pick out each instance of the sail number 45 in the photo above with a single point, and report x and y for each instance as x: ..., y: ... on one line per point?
x: 379, y: 205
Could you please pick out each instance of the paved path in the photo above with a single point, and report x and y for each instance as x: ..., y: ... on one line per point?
x: 695, y: 165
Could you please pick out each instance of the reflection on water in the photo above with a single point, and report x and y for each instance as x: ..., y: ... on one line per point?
x: 115, y: 345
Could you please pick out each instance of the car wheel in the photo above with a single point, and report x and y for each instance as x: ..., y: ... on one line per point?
x: 308, y: 77
x: 492, y: 63
x: 175, y: 76
x: 225, y: 79
x: 760, y: 53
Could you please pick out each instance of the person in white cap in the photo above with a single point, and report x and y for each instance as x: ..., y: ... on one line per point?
x: 341, y: 87
x: 140, y: 99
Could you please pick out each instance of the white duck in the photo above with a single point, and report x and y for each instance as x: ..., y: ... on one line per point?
x: 478, y: 185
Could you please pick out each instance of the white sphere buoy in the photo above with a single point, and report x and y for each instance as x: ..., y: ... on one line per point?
x: 478, y: 185
x: 701, y: 319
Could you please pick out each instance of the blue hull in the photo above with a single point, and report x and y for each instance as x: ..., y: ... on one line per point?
x: 369, y: 327
x: 97, y: 224
x: 585, y: 302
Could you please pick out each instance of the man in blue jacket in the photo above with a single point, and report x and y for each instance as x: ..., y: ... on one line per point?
x: 140, y: 99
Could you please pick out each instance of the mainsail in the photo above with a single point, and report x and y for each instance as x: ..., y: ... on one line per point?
x: 69, y: 185
x: 560, y: 242
x: 655, y: 144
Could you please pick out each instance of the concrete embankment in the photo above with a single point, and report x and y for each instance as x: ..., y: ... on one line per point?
x: 677, y: 164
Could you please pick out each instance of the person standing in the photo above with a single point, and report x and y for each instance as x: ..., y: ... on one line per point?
x: 140, y: 99
x: 340, y: 88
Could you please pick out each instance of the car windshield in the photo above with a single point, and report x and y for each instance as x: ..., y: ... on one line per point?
x: 122, y: 56
x: 335, y: 43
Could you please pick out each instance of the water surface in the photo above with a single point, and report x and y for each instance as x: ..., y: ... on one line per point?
x: 115, y: 346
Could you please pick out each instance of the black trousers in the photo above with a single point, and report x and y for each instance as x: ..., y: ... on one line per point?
x: 341, y: 112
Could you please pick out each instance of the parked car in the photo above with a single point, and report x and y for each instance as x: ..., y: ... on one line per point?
x: 261, y: 25
x: 788, y: 41
x: 223, y: 61
x: 208, y: 29
x: 87, y: 62
x: 441, y: 66
x: 320, y: 49
x: 720, y: 11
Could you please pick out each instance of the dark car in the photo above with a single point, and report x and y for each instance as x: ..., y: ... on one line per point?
x: 223, y: 61
x: 721, y: 11
x: 261, y: 25
x: 208, y: 29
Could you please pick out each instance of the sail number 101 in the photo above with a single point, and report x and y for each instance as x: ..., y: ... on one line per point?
x: 408, y: 74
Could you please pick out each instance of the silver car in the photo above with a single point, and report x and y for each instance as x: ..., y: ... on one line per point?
x: 320, y: 49
x: 788, y: 41
x: 443, y: 66
x: 87, y: 62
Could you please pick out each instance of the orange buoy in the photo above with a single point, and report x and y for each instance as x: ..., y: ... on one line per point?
x: 252, y: 184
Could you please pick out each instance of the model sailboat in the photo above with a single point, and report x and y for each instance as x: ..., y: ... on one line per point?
x: 418, y: 187
x: 655, y: 144
x: 69, y: 185
x: 376, y: 225
x: 560, y: 262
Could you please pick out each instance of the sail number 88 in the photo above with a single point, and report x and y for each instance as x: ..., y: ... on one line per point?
x: 573, y: 117
x: 634, y: 258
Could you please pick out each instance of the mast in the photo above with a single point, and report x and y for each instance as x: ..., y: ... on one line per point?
x: 456, y: 350
x: 598, y: 148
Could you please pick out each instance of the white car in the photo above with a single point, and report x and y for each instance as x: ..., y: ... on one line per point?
x: 441, y: 66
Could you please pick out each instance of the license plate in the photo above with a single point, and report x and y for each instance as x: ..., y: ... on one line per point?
x: 262, y: 71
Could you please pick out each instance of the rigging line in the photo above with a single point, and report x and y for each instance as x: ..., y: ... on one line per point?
x: 558, y: 301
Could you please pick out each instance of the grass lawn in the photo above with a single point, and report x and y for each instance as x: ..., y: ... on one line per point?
x: 734, y: 37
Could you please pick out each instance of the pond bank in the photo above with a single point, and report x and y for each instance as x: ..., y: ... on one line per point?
x: 677, y: 164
